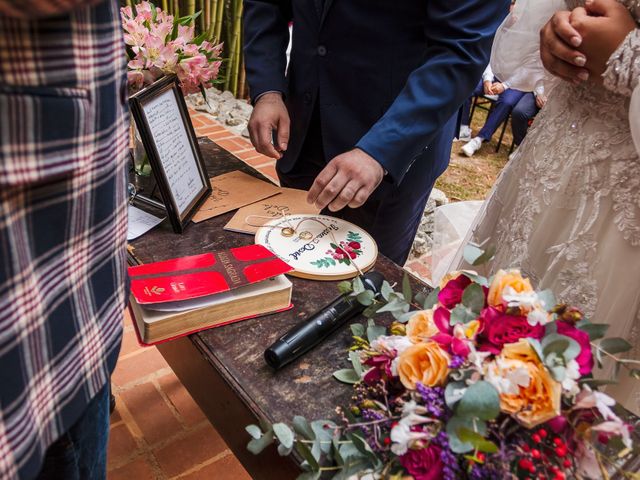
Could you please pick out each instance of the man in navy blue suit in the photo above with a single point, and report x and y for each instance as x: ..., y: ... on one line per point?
x: 365, y: 115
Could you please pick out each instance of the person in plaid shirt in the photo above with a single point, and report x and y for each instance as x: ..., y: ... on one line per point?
x: 63, y: 222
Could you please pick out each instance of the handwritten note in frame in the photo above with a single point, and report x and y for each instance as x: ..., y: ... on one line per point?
x: 163, y: 121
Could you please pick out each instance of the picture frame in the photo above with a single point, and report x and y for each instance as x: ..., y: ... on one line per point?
x: 163, y: 121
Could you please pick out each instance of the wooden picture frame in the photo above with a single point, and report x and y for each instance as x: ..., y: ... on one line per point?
x: 162, y: 118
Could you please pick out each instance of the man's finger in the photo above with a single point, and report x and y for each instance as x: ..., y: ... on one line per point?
x: 563, y: 29
x: 345, y: 197
x: 265, y: 139
x: 283, y: 132
x: 321, y: 181
x: 360, y: 197
x: 331, y: 190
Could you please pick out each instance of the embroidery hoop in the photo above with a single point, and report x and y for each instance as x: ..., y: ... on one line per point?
x: 329, y: 269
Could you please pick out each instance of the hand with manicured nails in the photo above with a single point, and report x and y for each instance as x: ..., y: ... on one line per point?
x: 269, y: 115
x: 576, y: 45
x: 347, y: 180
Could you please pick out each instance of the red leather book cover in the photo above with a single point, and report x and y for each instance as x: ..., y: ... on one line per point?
x: 206, y: 274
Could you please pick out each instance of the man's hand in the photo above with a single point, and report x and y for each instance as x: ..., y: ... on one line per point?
x: 541, y: 100
x: 603, y: 25
x: 348, y: 179
x: 269, y: 115
x: 487, y: 87
x: 498, y: 88
x: 558, y: 49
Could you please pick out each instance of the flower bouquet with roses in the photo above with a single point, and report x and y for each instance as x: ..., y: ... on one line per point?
x: 159, y: 44
x: 488, y: 379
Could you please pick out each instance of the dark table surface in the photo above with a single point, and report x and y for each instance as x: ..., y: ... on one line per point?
x: 233, y: 354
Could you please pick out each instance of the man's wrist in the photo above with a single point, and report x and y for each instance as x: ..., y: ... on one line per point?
x: 268, y: 94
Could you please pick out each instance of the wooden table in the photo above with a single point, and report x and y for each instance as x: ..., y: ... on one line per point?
x: 223, y: 368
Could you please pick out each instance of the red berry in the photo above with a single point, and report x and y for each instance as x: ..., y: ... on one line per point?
x: 535, y: 453
x: 559, y: 476
x: 542, y: 432
x: 525, y: 463
x: 566, y: 463
x: 387, y: 440
x: 558, y: 441
x: 532, y: 469
x: 526, y: 447
x: 480, y: 456
x: 535, y: 437
x: 561, y: 451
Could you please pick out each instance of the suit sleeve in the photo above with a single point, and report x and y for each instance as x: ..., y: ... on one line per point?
x: 459, y: 37
x: 28, y: 9
x: 266, y: 36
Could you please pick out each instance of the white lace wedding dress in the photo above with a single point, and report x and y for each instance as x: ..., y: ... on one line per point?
x: 566, y: 209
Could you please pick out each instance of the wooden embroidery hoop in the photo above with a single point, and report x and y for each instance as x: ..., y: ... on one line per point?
x: 269, y: 235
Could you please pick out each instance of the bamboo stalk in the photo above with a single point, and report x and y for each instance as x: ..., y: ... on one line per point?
x: 191, y: 7
x: 234, y: 55
x: 214, y: 5
x: 165, y: 6
x: 217, y: 32
x: 203, y: 8
x: 176, y: 8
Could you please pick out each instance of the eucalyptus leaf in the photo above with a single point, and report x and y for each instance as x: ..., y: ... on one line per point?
x: 366, y: 298
x: 362, y: 446
x: 357, y: 364
x: 374, y: 331
x: 406, y: 288
x: 256, y: 446
x: 394, y: 304
x: 371, y: 310
x: 596, y: 382
x: 480, y: 400
x: 478, y: 441
x: 596, y: 331
x: 405, y: 317
x: 456, y: 423
x: 324, y: 433
x: 547, y: 298
x: 431, y: 299
x: 615, y: 345
x: 284, y: 434
x: 473, y: 298
x: 284, y: 451
x: 461, y: 314
x: 254, y: 431
x: 471, y: 253
x: 386, y: 290
x: 347, y: 375
x: 398, y: 314
x: 345, y: 287
x: 561, y: 345
x: 335, y: 452
x: 453, y: 393
x: 302, y: 427
x: 357, y: 329
x: 420, y: 297
x: 358, y: 286
x: 305, y: 453
x: 474, y: 277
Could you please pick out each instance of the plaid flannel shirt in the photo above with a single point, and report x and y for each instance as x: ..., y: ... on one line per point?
x: 63, y: 217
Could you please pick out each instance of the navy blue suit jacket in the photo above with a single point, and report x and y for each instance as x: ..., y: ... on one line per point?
x: 386, y: 74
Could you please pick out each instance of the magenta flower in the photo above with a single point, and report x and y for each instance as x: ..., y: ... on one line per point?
x: 451, y: 294
x: 585, y: 357
x: 423, y: 464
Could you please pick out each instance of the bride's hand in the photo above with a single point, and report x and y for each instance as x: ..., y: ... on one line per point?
x: 558, y: 49
x: 603, y: 25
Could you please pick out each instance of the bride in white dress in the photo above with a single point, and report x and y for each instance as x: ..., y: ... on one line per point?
x: 566, y: 209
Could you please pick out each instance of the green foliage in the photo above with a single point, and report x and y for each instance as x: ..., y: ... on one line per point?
x: 474, y: 255
x: 455, y: 425
x: 615, y: 345
x: 596, y: 331
x: 477, y: 441
x: 480, y: 400
x: 347, y: 375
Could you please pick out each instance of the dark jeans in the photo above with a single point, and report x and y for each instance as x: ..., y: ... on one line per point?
x: 81, y: 452
x: 391, y: 215
x: 466, y: 106
x: 522, y: 113
x: 500, y: 112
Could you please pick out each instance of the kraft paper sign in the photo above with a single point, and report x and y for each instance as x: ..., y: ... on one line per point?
x: 289, y: 201
x: 233, y: 190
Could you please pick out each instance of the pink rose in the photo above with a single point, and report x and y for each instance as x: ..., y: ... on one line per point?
x: 451, y: 294
x: 500, y: 329
x: 423, y: 464
x: 585, y: 357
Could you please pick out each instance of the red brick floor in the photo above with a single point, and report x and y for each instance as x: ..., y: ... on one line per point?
x: 157, y: 430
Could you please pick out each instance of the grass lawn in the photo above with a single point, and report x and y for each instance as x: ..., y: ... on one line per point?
x: 472, y: 178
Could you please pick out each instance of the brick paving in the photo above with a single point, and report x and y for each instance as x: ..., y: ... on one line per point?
x: 157, y: 431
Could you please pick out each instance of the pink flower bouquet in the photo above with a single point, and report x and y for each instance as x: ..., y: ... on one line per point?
x: 159, y: 44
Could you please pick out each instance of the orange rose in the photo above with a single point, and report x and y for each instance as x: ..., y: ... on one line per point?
x: 424, y: 362
x: 421, y: 327
x: 535, y: 403
x: 502, y: 280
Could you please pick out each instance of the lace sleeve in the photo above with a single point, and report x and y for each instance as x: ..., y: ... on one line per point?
x: 623, y: 68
